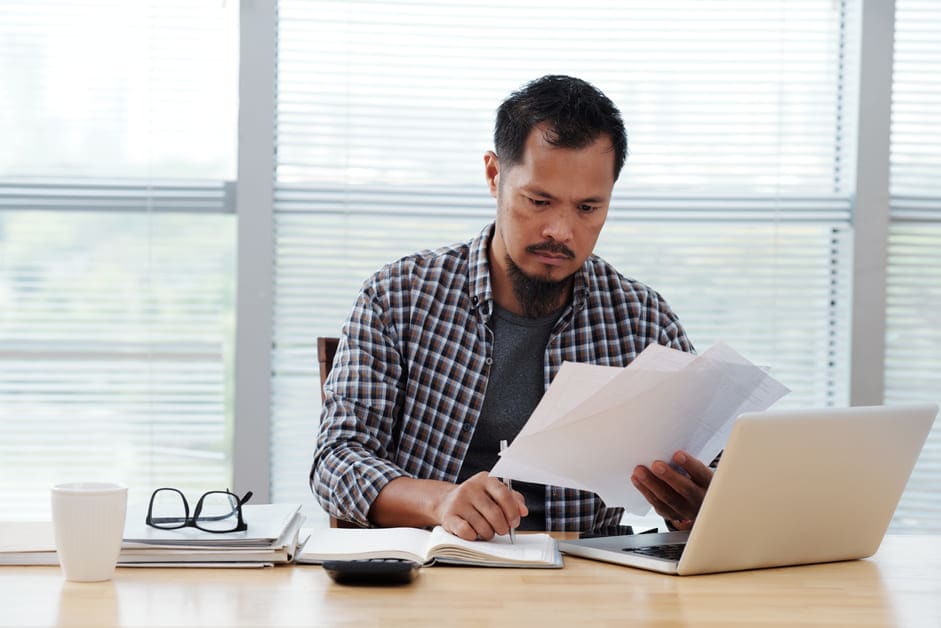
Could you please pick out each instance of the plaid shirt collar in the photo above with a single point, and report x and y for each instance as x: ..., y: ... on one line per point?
x: 478, y: 275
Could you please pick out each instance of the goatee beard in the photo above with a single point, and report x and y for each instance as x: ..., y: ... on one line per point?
x: 537, y: 297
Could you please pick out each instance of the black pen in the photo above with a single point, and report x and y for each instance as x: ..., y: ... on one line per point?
x: 509, y: 485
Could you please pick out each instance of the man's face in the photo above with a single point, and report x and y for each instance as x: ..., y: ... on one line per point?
x: 550, y: 207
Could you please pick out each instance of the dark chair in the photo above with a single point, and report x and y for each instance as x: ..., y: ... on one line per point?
x: 326, y: 349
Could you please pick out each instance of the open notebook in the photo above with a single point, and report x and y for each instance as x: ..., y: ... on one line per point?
x: 794, y: 487
x: 426, y: 548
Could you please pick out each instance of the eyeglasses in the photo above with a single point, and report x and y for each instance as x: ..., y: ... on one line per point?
x: 216, y: 511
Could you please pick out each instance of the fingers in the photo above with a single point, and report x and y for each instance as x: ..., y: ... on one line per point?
x: 459, y: 527
x: 674, y: 494
x: 697, y: 471
x: 483, y: 528
x: 661, y: 506
x: 657, y: 493
x: 521, y: 507
x: 496, y: 503
x: 481, y: 507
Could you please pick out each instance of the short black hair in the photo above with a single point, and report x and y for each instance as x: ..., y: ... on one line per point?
x: 576, y: 113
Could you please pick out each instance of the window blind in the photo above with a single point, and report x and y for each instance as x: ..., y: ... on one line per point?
x: 734, y: 203
x: 913, y: 299
x: 117, y: 241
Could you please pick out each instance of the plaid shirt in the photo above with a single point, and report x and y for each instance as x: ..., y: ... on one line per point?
x: 410, y: 373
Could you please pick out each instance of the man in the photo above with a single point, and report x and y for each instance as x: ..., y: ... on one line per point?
x: 447, y: 352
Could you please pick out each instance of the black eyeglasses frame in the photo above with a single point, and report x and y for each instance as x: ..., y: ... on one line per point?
x: 192, y: 522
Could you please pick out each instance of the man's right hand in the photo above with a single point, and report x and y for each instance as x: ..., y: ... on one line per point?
x: 478, y: 508
x: 481, y: 507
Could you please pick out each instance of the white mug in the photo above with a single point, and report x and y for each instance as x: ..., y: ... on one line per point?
x: 88, y: 519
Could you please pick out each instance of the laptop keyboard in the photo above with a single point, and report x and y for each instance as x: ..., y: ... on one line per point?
x: 666, y: 552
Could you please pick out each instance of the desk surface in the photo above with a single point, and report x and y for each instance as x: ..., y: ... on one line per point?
x: 899, y: 586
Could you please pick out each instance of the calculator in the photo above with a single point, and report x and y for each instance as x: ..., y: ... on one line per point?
x: 372, y: 571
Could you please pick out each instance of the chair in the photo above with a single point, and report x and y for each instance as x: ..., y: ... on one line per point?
x: 326, y: 350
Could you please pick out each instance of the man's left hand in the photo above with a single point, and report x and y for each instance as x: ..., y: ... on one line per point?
x: 675, y: 493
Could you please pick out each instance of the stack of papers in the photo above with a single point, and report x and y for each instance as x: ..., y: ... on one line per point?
x: 271, y: 537
x: 27, y: 543
x: 595, y: 424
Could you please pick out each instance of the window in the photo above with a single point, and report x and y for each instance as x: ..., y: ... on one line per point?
x: 734, y: 202
x: 116, y: 245
x: 913, y: 299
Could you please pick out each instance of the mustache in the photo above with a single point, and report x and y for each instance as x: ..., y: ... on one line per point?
x: 551, y: 247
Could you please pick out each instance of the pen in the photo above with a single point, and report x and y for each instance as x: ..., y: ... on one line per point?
x: 509, y: 485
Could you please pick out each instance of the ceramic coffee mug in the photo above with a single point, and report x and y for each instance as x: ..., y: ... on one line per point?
x: 88, y: 519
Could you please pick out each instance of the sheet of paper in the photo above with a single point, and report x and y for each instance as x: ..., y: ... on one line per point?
x: 594, y: 426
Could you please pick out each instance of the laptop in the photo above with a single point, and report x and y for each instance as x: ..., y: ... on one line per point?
x: 793, y: 487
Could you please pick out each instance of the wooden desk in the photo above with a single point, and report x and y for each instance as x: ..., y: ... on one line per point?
x: 900, y: 586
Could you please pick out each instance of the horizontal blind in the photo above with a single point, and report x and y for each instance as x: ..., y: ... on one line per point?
x: 913, y: 316
x: 118, y: 88
x: 734, y: 202
x: 717, y: 96
x: 113, y: 352
x: 124, y: 195
x: 117, y: 238
x: 778, y: 292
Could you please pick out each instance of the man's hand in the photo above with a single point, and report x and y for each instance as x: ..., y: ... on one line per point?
x: 477, y: 509
x: 480, y: 507
x: 675, y: 495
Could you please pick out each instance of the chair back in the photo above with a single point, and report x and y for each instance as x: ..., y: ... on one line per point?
x: 326, y: 349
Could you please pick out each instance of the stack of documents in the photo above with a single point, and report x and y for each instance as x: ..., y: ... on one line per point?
x: 27, y: 543
x: 595, y: 424
x: 271, y: 537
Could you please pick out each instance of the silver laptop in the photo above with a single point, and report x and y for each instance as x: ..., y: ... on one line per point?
x: 793, y: 487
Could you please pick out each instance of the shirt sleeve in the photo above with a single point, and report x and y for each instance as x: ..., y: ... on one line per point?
x: 355, y: 443
x: 672, y: 333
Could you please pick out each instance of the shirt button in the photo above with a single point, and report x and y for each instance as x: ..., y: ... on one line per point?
x: 466, y: 427
x: 489, y: 361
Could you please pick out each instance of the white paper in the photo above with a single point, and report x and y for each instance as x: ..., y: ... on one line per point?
x: 596, y: 423
x: 266, y: 524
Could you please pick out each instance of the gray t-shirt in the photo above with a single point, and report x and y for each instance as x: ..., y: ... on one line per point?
x: 514, y: 388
